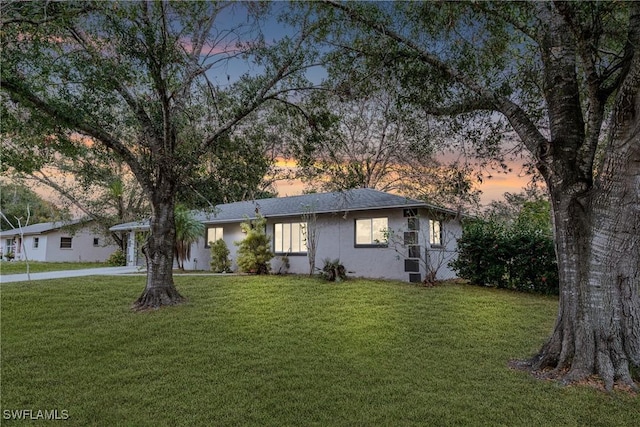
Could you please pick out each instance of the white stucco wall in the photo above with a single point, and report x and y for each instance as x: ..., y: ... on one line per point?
x: 35, y: 254
x: 82, y: 247
x: 337, y: 240
x: 201, y: 255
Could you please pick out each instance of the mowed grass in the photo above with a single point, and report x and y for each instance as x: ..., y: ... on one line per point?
x: 20, y: 267
x: 279, y: 351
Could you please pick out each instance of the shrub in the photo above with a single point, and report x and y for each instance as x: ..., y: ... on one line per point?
x: 520, y: 258
x: 333, y: 271
x: 532, y: 266
x: 220, y: 262
x: 117, y: 259
x: 254, y: 252
x: 285, y: 265
x: 478, y: 248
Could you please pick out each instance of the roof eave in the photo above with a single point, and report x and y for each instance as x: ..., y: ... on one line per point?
x: 333, y: 211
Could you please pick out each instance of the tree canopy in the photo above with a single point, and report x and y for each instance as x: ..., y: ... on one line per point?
x: 562, y: 81
x: 373, y: 140
x: 148, y: 83
x: 19, y: 202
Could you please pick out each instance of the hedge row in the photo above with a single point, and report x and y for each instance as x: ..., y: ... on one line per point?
x: 519, y: 258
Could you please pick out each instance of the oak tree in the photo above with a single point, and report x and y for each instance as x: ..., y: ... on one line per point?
x: 564, y: 78
x: 149, y: 83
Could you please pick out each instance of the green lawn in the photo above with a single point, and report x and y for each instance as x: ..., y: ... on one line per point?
x: 286, y: 351
x: 20, y: 267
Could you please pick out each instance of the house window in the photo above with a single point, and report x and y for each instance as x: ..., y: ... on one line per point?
x: 371, y: 232
x: 36, y: 242
x: 96, y: 241
x: 435, y: 233
x: 65, y: 243
x: 213, y: 235
x: 290, y: 238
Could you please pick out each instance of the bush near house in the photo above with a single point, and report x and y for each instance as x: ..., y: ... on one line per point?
x: 117, y: 259
x: 333, y: 270
x: 518, y: 258
x: 220, y: 262
x: 254, y: 252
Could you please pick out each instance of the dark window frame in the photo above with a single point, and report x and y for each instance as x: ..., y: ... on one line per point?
x: 303, y: 226
x: 373, y: 244
x: 63, y: 244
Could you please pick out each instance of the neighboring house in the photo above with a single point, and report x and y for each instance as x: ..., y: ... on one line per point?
x: 57, y: 242
x: 374, y: 234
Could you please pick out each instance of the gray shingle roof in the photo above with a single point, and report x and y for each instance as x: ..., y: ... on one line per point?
x: 43, y: 227
x: 320, y: 203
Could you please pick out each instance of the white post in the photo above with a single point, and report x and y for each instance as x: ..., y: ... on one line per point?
x: 131, y: 249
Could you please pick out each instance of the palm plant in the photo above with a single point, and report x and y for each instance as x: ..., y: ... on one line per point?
x: 188, y: 231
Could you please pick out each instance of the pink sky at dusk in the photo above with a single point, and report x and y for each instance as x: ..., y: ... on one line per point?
x: 492, y: 188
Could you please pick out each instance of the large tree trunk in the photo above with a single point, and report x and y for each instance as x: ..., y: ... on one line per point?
x: 598, y: 247
x: 159, y: 250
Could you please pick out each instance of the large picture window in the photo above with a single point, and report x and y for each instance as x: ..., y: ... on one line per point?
x: 371, y: 231
x: 213, y: 235
x: 435, y: 233
x: 290, y: 238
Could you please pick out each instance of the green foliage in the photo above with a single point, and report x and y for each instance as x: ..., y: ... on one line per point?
x: 117, y: 259
x: 535, y: 215
x: 145, y: 84
x: 14, y: 200
x: 220, y: 262
x: 188, y: 231
x: 254, y: 251
x: 529, y: 209
x: 333, y: 270
x: 233, y: 171
x: 518, y: 257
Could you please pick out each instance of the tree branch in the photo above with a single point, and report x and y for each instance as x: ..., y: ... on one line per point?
x: 119, y: 86
x: 260, y: 98
x: 516, y: 116
x: 22, y: 95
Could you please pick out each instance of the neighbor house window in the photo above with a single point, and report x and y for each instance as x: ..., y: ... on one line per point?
x: 36, y: 242
x: 96, y: 241
x: 290, y: 238
x: 435, y: 233
x: 371, y: 231
x: 213, y: 235
x: 65, y: 243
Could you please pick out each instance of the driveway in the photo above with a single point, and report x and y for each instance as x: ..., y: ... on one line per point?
x: 105, y: 271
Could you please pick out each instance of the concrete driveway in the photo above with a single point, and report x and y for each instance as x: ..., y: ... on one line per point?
x: 105, y: 271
